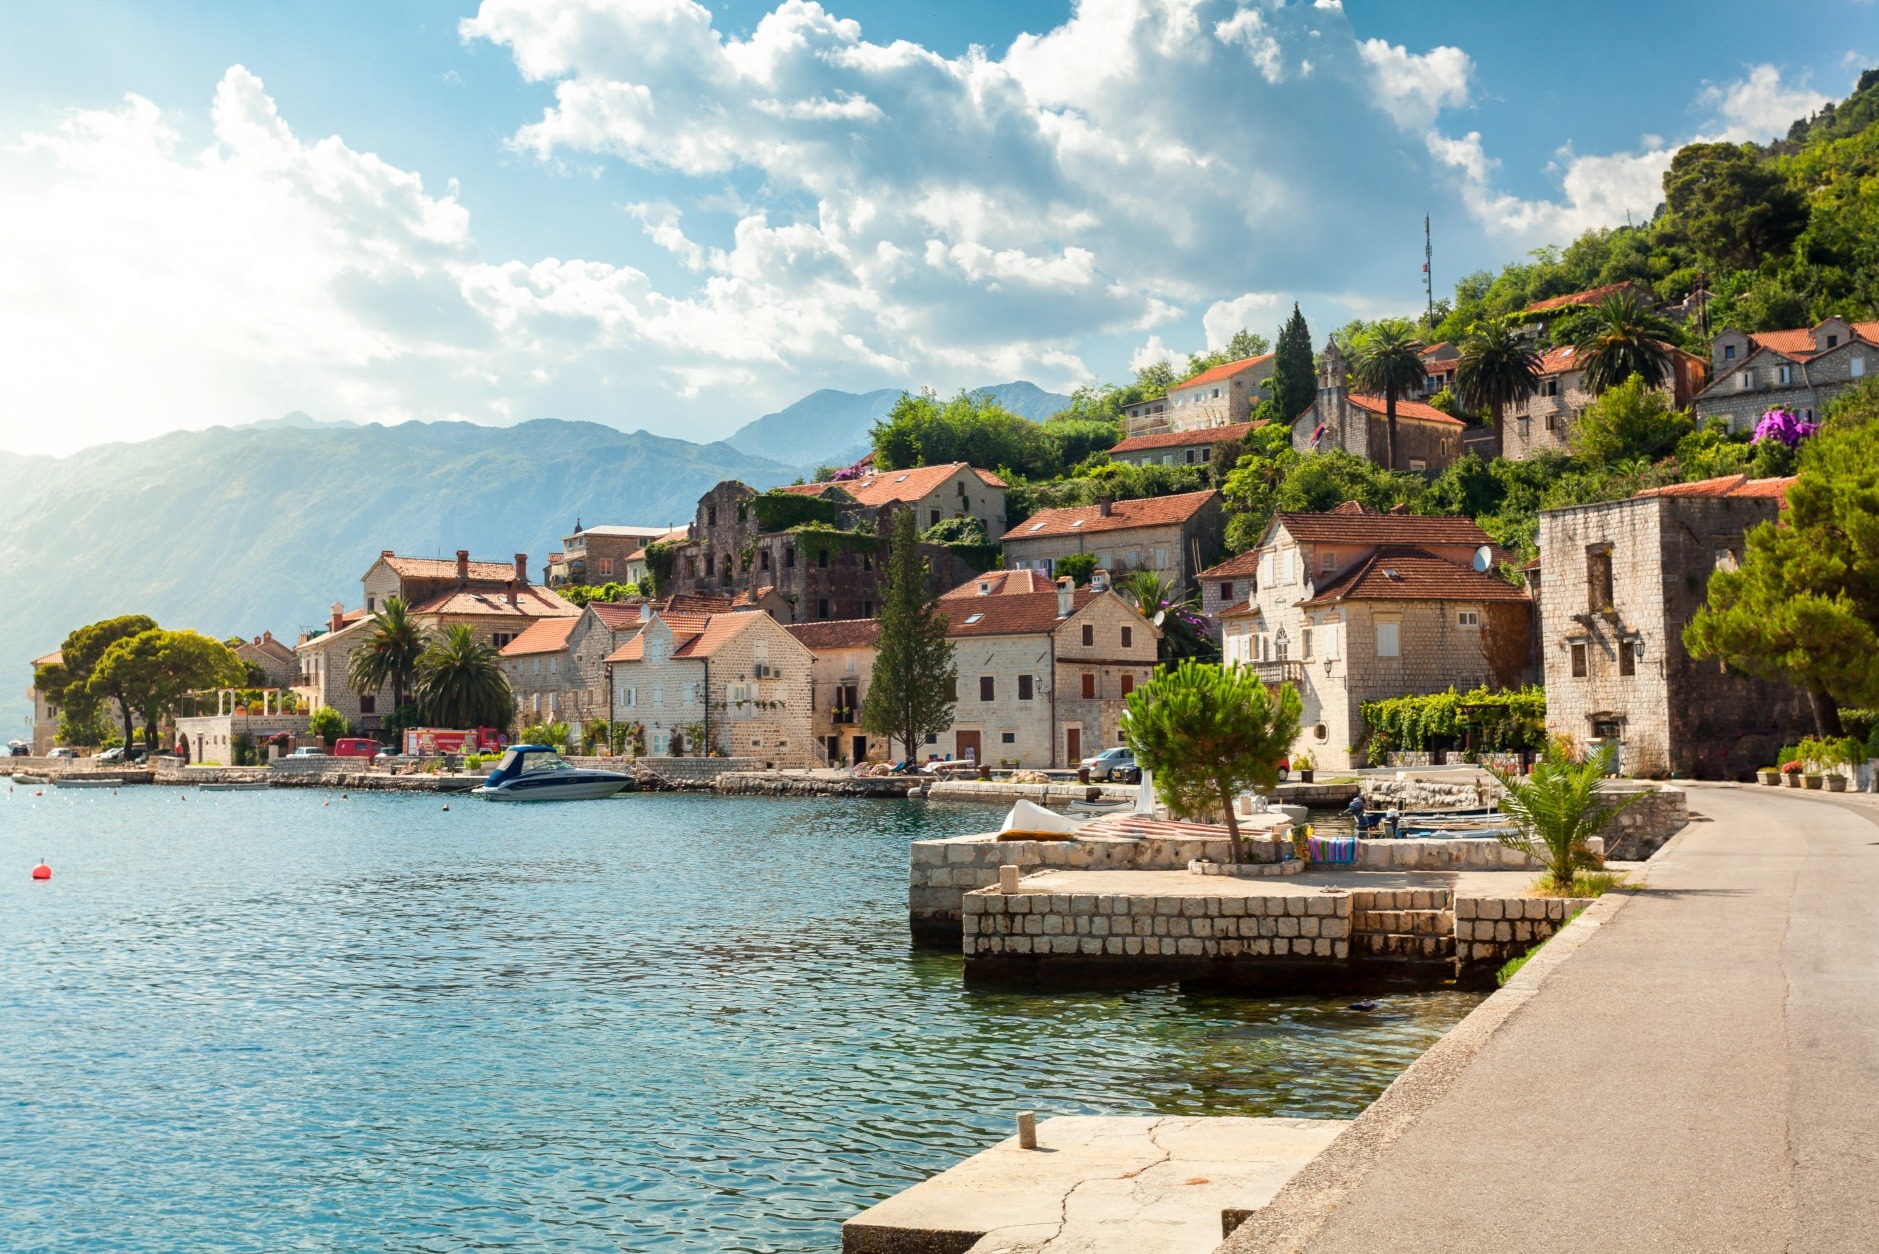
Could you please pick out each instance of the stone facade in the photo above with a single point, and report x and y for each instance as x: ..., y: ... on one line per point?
x: 275, y: 659
x: 1801, y: 370
x: 1545, y: 422
x: 1345, y: 609
x: 599, y: 555
x: 1217, y: 397
x: 844, y: 665
x: 1620, y: 581
x: 1174, y: 536
x: 1427, y: 439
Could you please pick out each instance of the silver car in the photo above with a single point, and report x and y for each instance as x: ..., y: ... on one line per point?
x: 1116, y: 764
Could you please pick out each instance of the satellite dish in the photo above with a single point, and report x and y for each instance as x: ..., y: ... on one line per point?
x: 1483, y: 558
x: 1159, y: 615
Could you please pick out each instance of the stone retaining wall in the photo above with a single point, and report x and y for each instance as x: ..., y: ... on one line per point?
x: 1043, y: 794
x: 1004, y: 934
x: 775, y: 784
x: 1491, y: 930
x: 1457, y: 854
x: 1634, y: 834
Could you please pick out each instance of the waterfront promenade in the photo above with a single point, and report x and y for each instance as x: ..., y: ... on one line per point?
x: 1698, y: 1071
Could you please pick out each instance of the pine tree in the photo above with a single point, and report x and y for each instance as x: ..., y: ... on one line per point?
x: 1294, y: 378
x: 912, y: 691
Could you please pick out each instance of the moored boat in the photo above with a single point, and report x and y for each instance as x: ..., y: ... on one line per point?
x: 538, y: 773
x: 245, y: 785
x: 68, y: 781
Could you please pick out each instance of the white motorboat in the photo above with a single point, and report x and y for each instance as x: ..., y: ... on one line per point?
x: 538, y: 773
x: 67, y: 781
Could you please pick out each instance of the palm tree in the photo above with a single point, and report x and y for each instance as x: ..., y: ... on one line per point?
x: 1183, y: 632
x: 1557, y: 809
x: 388, y: 655
x: 1386, y: 361
x: 460, y: 682
x: 1498, y: 369
x: 1624, y: 338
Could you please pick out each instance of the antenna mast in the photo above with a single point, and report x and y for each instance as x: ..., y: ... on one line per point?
x: 1428, y: 279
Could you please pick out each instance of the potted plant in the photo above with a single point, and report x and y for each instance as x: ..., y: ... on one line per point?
x: 1791, y: 774
x: 1770, y: 775
x: 1815, y: 753
x: 1304, y: 764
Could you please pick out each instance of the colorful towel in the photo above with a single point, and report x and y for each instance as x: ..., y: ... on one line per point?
x: 1332, y: 848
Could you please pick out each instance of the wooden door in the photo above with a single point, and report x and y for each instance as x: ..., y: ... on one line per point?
x: 968, y: 746
x: 1072, y: 745
x: 861, y: 748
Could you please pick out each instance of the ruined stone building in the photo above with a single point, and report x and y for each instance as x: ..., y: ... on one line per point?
x: 1618, y: 582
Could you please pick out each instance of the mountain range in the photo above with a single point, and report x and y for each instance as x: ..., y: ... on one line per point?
x: 236, y: 530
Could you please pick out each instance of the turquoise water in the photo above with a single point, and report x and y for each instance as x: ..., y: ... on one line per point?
x: 270, y: 1021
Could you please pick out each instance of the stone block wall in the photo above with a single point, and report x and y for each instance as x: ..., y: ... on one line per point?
x: 1459, y: 854
x: 695, y: 770
x: 1641, y: 828
x: 1491, y: 930
x: 1194, y: 930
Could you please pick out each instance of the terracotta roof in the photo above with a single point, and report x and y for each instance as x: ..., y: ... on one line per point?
x: 1590, y: 297
x: 1397, y: 573
x: 1727, y: 485
x: 717, y: 632
x: 1799, y: 343
x: 1004, y: 583
x: 1404, y: 409
x: 1246, y: 563
x: 1153, y: 511
x: 547, y: 635
x: 446, y: 568
x: 1020, y: 614
x: 674, y: 536
x: 532, y: 600
x: 54, y: 658
x: 1430, y: 350
x: 615, y: 615
x: 1559, y: 360
x: 1187, y: 439
x: 1353, y: 523
x: 888, y: 487
x: 837, y: 633
x: 1225, y: 370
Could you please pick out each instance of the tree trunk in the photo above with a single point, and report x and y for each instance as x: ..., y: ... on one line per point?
x: 1233, y: 826
x: 1389, y: 427
x: 130, y: 718
x: 1826, y: 713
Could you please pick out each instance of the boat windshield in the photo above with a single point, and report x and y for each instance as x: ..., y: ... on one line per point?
x: 533, y: 763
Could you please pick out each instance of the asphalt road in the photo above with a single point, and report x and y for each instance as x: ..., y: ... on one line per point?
x: 1702, y: 1073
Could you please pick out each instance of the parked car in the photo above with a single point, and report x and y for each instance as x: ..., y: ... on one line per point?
x: 387, y: 758
x: 356, y: 747
x: 307, y: 751
x: 1116, y: 764
x: 113, y: 754
x: 61, y: 751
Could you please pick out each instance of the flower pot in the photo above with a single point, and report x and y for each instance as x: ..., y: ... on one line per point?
x: 1791, y: 779
x: 1771, y: 778
x: 1304, y: 776
x: 1836, y: 783
x: 1810, y: 781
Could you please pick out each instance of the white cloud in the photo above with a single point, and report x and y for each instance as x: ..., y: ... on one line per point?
x: 1415, y: 88
x: 1151, y: 352
x: 1253, y: 311
x: 1760, y: 107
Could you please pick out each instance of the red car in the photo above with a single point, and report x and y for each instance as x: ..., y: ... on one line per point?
x: 356, y: 747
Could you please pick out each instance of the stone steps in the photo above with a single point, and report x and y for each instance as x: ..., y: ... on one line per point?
x: 1403, y: 924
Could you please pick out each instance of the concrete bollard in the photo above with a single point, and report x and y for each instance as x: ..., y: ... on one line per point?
x: 1027, y: 1130
x: 1008, y: 878
x: 1595, y: 845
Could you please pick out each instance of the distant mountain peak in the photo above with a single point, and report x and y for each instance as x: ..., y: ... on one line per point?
x: 830, y: 427
x: 299, y: 421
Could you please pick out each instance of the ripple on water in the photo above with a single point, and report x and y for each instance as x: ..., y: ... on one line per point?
x: 255, y: 1022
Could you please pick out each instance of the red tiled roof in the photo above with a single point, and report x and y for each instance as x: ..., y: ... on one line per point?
x: 1225, y: 370
x: 674, y: 536
x: 1415, y: 410
x: 547, y: 635
x: 533, y: 600
x: 1246, y: 563
x: 1590, y: 297
x: 446, y: 568
x: 837, y: 633
x: 1208, y: 436
x: 1727, y: 485
x: 615, y: 615
x: 897, y: 486
x: 1559, y: 360
x: 1004, y: 583
x: 54, y: 658
x: 1799, y: 342
x: 1353, y: 523
x: 717, y: 631
x: 1396, y: 573
x: 1153, y: 511
x: 1020, y: 614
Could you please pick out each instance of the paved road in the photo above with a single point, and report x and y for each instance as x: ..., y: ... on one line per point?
x: 1701, y: 1074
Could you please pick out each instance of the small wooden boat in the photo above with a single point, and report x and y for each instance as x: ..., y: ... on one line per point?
x: 32, y: 779
x: 1030, y: 821
x: 70, y: 781
x: 243, y: 785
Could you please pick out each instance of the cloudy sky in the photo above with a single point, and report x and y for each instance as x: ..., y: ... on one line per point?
x: 678, y: 216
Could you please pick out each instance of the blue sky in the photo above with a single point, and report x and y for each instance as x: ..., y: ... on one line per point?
x: 662, y: 215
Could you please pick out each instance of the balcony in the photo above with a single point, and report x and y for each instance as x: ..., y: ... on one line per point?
x: 1279, y: 672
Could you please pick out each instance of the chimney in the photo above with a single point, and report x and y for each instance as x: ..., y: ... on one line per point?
x: 521, y: 569
x: 1105, y: 505
x: 267, y: 637
x: 1066, y: 595
x: 512, y: 592
x: 337, y: 618
x: 645, y: 611
x: 1099, y: 579
x: 387, y: 553
x: 463, y: 565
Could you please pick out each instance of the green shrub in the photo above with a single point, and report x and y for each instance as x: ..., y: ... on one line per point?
x: 785, y: 511
x: 1079, y: 566
x: 1505, y: 722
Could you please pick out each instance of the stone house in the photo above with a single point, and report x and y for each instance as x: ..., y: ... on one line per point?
x: 1619, y: 581
x: 636, y: 560
x: 275, y: 659
x: 1538, y: 316
x: 1180, y: 448
x: 821, y: 558
x: 732, y: 683
x: 599, y: 555
x: 1800, y: 370
x: 541, y: 673
x: 1353, y: 605
x: 844, y: 663
x: 45, y: 724
x: 495, y: 599
x: 1218, y: 397
x: 1176, y: 536
x: 1545, y: 421
x: 1440, y: 361
x: 1227, y: 586
x: 1427, y: 439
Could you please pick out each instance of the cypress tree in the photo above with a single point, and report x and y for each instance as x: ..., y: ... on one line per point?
x: 911, y: 692
x: 1294, y: 377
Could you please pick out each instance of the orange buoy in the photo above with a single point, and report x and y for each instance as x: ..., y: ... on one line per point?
x: 42, y: 871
